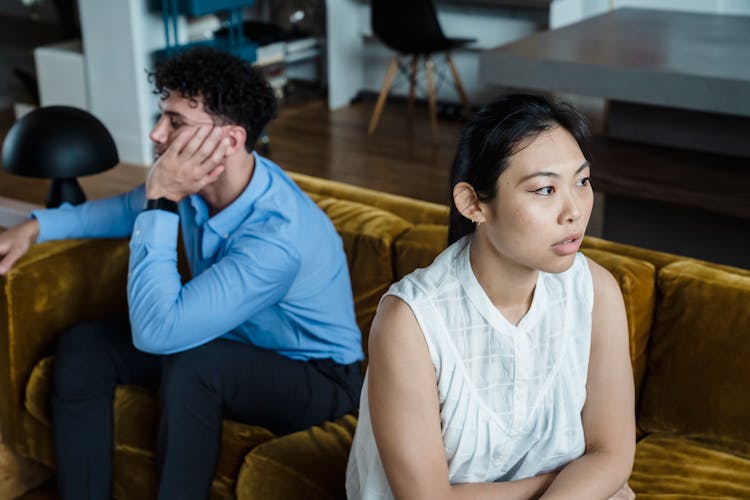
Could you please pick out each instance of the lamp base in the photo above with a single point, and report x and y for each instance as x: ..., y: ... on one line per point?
x: 65, y: 191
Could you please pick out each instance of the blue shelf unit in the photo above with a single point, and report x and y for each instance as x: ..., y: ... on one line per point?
x: 235, y: 41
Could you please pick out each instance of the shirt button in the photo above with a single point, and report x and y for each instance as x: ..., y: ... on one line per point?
x: 226, y: 236
x: 137, y: 232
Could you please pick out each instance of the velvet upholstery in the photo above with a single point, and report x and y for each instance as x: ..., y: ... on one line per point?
x: 698, y: 375
x: 414, y: 211
x: 658, y: 259
x: 368, y: 234
x: 418, y: 247
x: 52, y: 287
x: 668, y: 467
x: 688, y: 327
x: 306, y: 464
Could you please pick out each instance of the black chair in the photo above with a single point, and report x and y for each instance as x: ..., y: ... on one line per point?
x: 411, y: 28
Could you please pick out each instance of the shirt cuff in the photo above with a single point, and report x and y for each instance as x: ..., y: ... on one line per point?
x: 54, y: 223
x: 155, y: 228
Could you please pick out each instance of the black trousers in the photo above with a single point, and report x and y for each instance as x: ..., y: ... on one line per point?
x: 197, y: 388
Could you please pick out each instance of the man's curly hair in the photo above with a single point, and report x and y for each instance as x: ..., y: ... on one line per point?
x: 233, y: 91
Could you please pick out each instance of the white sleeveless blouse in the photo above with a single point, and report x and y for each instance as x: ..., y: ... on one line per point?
x: 510, y: 395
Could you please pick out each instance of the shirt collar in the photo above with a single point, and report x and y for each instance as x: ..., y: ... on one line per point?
x: 226, y: 221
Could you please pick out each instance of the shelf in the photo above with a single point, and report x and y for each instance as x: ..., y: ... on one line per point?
x: 203, y: 7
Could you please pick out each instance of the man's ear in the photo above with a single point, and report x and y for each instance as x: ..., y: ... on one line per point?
x: 237, y: 136
x: 467, y: 202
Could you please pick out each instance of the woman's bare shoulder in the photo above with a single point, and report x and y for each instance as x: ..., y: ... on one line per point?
x: 395, y: 332
x: 603, y: 280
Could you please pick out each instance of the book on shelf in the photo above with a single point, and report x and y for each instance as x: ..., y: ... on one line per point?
x: 270, y: 53
x: 295, y: 45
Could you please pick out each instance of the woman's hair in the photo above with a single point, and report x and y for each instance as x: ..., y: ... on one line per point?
x: 494, y: 134
x: 232, y: 89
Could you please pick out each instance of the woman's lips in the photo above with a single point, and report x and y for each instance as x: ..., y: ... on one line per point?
x: 569, y: 245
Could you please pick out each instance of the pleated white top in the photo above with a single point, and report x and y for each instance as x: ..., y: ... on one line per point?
x: 510, y: 395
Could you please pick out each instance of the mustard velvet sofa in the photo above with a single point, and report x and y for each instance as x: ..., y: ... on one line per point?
x: 689, y: 326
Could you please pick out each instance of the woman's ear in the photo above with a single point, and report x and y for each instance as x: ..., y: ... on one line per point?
x: 467, y: 202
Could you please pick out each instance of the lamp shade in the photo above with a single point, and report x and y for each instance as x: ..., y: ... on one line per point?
x: 59, y: 142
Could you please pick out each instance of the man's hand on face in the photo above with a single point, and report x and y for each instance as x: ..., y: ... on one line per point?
x: 15, y: 242
x: 192, y: 161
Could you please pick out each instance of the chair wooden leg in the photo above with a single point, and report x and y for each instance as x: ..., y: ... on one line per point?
x: 428, y: 64
x: 383, y: 94
x: 457, y: 83
x: 412, y: 83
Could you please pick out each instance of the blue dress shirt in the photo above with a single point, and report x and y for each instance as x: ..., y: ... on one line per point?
x: 269, y: 269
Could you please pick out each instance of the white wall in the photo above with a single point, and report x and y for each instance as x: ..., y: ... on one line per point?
x: 119, y: 37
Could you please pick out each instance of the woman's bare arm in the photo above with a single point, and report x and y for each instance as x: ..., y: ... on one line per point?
x: 608, y: 414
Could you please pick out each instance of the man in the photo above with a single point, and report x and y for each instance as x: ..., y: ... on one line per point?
x: 263, y: 333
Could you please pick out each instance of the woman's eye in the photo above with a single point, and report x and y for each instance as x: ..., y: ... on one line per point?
x: 174, y: 123
x: 584, y: 182
x: 544, y: 191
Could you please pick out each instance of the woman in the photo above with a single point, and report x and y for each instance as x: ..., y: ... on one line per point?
x: 502, y: 369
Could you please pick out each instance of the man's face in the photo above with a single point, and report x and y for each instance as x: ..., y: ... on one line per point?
x: 177, y: 113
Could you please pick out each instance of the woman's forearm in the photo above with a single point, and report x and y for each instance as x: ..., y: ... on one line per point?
x: 521, y: 489
x: 594, y: 475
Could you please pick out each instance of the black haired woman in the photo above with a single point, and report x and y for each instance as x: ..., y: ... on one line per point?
x: 502, y: 369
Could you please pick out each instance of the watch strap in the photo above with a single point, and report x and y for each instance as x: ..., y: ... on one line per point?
x: 161, y: 204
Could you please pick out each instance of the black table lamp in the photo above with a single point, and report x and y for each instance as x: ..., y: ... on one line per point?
x: 59, y: 143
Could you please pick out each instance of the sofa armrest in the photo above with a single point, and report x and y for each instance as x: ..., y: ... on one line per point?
x: 54, y: 286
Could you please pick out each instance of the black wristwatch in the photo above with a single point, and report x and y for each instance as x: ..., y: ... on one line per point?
x: 161, y: 204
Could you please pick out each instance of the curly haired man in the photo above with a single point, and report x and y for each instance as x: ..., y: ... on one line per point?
x: 263, y: 332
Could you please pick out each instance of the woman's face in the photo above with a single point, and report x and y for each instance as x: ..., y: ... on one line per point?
x: 543, y: 203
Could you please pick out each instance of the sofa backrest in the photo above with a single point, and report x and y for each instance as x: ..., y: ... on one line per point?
x: 410, y: 209
x: 387, y: 237
x: 368, y: 234
x: 698, y: 368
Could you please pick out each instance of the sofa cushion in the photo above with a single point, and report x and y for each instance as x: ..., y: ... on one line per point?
x: 659, y: 259
x: 307, y: 464
x: 419, y: 246
x: 368, y: 234
x: 38, y: 390
x: 638, y: 285
x: 698, y: 370
x: 668, y: 467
